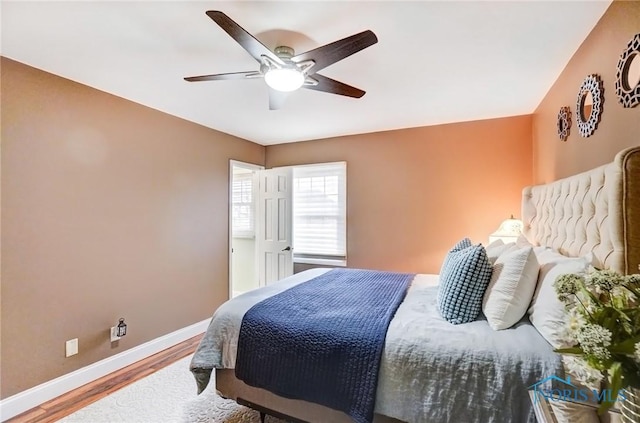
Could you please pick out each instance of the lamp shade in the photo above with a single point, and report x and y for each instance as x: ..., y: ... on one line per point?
x: 509, y: 231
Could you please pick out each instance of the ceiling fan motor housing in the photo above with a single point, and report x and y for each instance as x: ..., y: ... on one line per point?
x: 284, y: 52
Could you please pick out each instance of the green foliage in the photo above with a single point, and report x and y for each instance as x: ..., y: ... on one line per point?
x: 607, y: 307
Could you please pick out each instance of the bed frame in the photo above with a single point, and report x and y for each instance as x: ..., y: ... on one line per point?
x: 596, y: 211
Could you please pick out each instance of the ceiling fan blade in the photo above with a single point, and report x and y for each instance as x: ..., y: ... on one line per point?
x: 276, y: 99
x: 336, y: 51
x: 254, y: 47
x: 334, y: 87
x: 223, y: 76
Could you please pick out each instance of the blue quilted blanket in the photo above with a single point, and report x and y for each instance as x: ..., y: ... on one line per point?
x: 322, y: 340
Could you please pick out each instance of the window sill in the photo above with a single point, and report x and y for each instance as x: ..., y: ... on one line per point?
x: 320, y: 261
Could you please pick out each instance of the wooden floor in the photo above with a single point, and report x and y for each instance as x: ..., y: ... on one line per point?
x: 71, y: 402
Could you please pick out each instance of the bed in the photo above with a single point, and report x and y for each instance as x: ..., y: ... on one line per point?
x: 432, y: 371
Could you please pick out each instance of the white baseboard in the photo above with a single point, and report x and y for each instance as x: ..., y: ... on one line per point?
x: 26, y: 400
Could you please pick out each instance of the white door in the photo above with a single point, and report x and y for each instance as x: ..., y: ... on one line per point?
x: 274, y: 228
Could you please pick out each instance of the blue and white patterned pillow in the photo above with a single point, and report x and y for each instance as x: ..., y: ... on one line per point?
x: 461, y: 245
x: 463, y: 281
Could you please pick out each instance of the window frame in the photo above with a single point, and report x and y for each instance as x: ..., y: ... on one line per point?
x: 251, y: 232
x: 316, y: 258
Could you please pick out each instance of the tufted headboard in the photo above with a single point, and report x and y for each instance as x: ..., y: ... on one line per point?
x: 595, y: 211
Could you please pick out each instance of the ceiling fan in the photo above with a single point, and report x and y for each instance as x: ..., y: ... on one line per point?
x: 283, y: 70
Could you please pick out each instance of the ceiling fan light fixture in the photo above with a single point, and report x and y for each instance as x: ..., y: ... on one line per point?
x: 284, y: 79
x: 283, y: 70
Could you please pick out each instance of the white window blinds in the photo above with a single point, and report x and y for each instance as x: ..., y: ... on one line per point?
x: 242, y: 205
x: 319, y: 210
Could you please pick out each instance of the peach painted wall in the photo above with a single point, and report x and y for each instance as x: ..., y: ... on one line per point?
x: 413, y: 193
x: 109, y: 209
x: 619, y: 127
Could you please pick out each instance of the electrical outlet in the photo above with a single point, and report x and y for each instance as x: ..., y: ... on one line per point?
x: 71, y: 347
x: 114, y: 334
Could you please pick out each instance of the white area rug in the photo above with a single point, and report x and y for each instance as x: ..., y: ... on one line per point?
x: 167, y: 396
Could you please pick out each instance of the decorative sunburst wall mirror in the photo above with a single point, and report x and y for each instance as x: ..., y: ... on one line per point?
x: 589, y: 105
x: 628, y: 75
x: 564, y: 122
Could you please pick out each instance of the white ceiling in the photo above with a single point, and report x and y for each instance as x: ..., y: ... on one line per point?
x: 435, y: 62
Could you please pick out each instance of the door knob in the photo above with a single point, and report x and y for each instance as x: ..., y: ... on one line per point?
x: 287, y: 249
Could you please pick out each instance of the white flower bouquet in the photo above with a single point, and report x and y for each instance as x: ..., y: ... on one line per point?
x: 604, y: 329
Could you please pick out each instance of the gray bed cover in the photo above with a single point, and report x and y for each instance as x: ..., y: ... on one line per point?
x: 431, y: 371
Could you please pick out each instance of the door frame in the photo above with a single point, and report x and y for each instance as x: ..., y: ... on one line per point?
x: 254, y: 168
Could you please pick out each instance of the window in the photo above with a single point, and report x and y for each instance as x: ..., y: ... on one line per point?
x: 242, y: 205
x: 319, y: 213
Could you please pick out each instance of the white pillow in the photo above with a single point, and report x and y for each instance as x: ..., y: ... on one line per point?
x: 522, y: 242
x: 547, y: 255
x: 511, y: 288
x: 546, y: 312
x: 496, y: 243
x: 496, y: 248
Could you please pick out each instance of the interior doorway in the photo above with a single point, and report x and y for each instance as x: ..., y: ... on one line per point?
x: 243, y: 263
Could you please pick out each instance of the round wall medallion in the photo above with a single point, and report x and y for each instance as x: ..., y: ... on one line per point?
x: 589, y: 105
x: 628, y: 74
x: 564, y: 122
